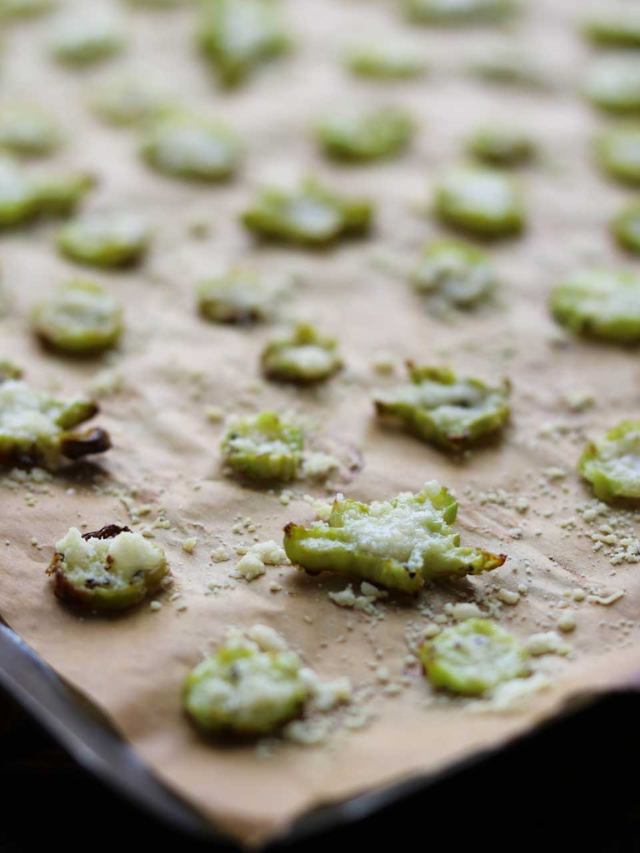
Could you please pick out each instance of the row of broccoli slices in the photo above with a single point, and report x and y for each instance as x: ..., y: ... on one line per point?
x: 452, y: 413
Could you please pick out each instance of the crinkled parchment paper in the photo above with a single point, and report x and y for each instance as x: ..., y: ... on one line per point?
x: 172, y: 365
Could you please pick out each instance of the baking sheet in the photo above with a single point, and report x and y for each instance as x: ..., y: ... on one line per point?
x: 172, y: 365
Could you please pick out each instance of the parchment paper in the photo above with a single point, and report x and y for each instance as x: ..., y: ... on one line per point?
x: 172, y: 365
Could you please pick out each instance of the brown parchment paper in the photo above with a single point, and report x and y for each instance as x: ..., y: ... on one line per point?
x: 172, y: 365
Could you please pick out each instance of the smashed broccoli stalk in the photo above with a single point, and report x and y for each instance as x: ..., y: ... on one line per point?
x: 460, y: 12
x: 24, y: 198
x: 456, y: 273
x: 601, y: 304
x: 191, y: 147
x: 303, y: 356
x: 385, y: 60
x: 28, y: 132
x: 25, y: 8
x: 87, y: 40
x: 310, y: 216
x: 501, y: 145
x: 473, y: 657
x: 59, y: 195
x: 240, y: 296
x: 365, y: 135
x: 19, y: 201
x: 80, y: 318
x: 127, y: 101
x: 613, y: 84
x: 236, y: 36
x: 509, y: 68
x: 617, y: 153
x: 156, y: 4
x: 108, y: 570
x: 264, y: 447
x: 108, y: 239
x: 243, y: 691
x: 399, y: 544
x: 626, y: 227
x: 612, y: 464
x: 482, y: 202
x: 9, y: 370
x: 617, y: 28
x: 37, y: 428
x: 445, y: 410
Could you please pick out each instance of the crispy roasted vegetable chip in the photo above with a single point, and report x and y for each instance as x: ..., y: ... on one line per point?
x: 364, y: 135
x: 398, y: 544
x: 473, y: 657
x: 612, y: 463
x: 601, y: 304
x: 263, y: 447
x: 501, y: 145
x: 109, y: 569
x: 444, y: 409
x: 312, y: 215
x: 455, y: 273
x: 37, y: 428
x: 303, y: 356
x: 613, y: 28
x: 26, y: 131
x: 459, y: 12
x: 244, y: 691
x: 183, y: 145
x: 386, y: 60
x: 480, y: 201
x: 613, y: 84
x: 236, y: 36
x: 79, y: 318
x: 107, y: 239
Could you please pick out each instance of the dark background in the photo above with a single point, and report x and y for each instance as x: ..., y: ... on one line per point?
x: 574, y: 785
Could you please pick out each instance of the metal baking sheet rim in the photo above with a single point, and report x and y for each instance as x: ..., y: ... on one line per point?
x: 99, y: 750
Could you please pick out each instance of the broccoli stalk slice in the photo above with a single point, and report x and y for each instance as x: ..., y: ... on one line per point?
x: 473, y: 657
x: 236, y: 36
x: 599, y: 303
x: 454, y: 272
x: 263, y: 448
x: 39, y: 429
x: 304, y: 356
x: 467, y: 12
x: 80, y: 318
x: 365, y: 136
x: 245, y: 692
x: 109, y: 240
x: 480, y: 201
x: 625, y: 228
x: 310, y: 216
x: 191, y: 147
x: 398, y: 544
x: 612, y: 463
x: 445, y: 410
x: 111, y: 580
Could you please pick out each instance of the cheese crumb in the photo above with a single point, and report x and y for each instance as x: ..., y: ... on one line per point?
x: 508, y: 596
x: 319, y: 466
x: 256, y: 559
x: 189, y: 545
x: 566, y: 622
x: 214, y: 414
x: 250, y: 567
x: 267, y: 638
x: 463, y: 611
x: 546, y: 643
x: 606, y: 601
